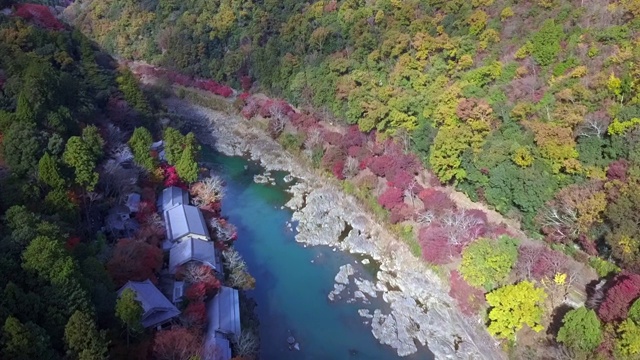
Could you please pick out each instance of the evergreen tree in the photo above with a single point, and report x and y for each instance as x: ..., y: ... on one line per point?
x: 91, y: 137
x: 21, y: 147
x: 140, y: 143
x: 83, y: 338
x: 129, y: 311
x: 48, y: 171
x: 81, y: 157
x: 25, y: 341
x: 187, y: 167
x: 581, y: 330
x: 173, y: 145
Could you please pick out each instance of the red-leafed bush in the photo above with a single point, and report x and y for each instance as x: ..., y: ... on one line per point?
x: 619, y: 297
x: 538, y: 262
x: 391, y: 198
x: 359, y: 152
x: 145, y: 211
x: 337, y: 170
x: 196, y: 292
x: 435, y: 247
x: 244, y: 96
x: 171, y: 178
x: 214, y: 87
x: 353, y: 137
x: 332, y: 138
x: 436, y: 201
x: 177, y: 343
x: 246, y: 82
x: 72, y: 242
x: 304, y: 122
x: 382, y: 166
x: 470, y: 300
x: 400, y: 213
x: 195, y: 315
x: 211, y: 285
x: 402, y: 180
x: 617, y: 170
x: 332, y: 156
x: 273, y: 107
x: 251, y: 108
x: 40, y: 15
x: 134, y: 260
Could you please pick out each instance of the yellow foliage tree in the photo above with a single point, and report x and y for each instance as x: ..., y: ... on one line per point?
x: 522, y: 157
x: 514, y: 306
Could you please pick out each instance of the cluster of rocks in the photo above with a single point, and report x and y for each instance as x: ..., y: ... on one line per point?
x: 265, y: 178
x: 420, y: 307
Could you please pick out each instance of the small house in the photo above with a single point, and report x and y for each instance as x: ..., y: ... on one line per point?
x: 156, y: 308
x: 120, y: 223
x: 185, y: 221
x: 191, y: 249
x: 133, y: 202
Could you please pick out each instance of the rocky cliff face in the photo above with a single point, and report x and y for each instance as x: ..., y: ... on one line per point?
x: 421, y: 310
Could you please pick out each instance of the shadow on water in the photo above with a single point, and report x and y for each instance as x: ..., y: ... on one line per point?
x: 293, y: 281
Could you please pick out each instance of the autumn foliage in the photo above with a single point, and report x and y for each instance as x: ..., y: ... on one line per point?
x: 177, y: 343
x: 39, y: 14
x: 469, y: 299
x: 195, y: 315
x: 134, y: 260
x: 619, y: 297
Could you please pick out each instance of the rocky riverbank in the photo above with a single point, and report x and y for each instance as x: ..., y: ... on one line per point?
x: 421, y: 309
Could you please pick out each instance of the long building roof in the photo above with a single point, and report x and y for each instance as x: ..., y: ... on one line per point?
x: 224, y: 313
x: 184, y: 220
x: 191, y: 249
x: 172, y: 197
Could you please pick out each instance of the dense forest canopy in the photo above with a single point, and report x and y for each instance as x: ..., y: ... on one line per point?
x: 510, y: 101
x: 531, y: 107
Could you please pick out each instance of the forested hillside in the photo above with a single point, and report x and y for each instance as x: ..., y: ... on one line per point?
x: 67, y: 242
x: 531, y: 107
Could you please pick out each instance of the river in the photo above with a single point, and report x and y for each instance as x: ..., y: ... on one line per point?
x: 293, y: 280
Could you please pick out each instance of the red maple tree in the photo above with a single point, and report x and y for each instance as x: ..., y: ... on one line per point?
x: 135, y: 260
x: 619, y: 297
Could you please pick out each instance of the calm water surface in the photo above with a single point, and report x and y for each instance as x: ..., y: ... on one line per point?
x: 292, y: 280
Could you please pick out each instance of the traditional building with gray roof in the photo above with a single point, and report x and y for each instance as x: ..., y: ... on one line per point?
x: 185, y: 221
x: 171, y: 197
x: 224, y: 314
x: 156, y: 308
x: 191, y: 249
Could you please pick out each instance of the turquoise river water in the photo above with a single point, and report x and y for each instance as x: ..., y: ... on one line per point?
x: 292, y: 281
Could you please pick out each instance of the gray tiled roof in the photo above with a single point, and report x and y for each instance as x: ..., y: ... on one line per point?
x: 156, y: 307
x: 185, y: 220
x: 191, y: 249
x: 224, y: 313
x: 172, y: 197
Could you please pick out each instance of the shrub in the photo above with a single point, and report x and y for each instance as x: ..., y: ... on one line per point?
x: 487, y: 262
x: 435, y: 247
x: 391, y: 198
x: 469, y: 299
x: 618, y: 299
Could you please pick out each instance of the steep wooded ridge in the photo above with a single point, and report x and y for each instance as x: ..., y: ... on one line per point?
x: 531, y: 107
x: 78, y: 186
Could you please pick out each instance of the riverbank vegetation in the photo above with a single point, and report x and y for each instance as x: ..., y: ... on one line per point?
x: 76, y: 133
